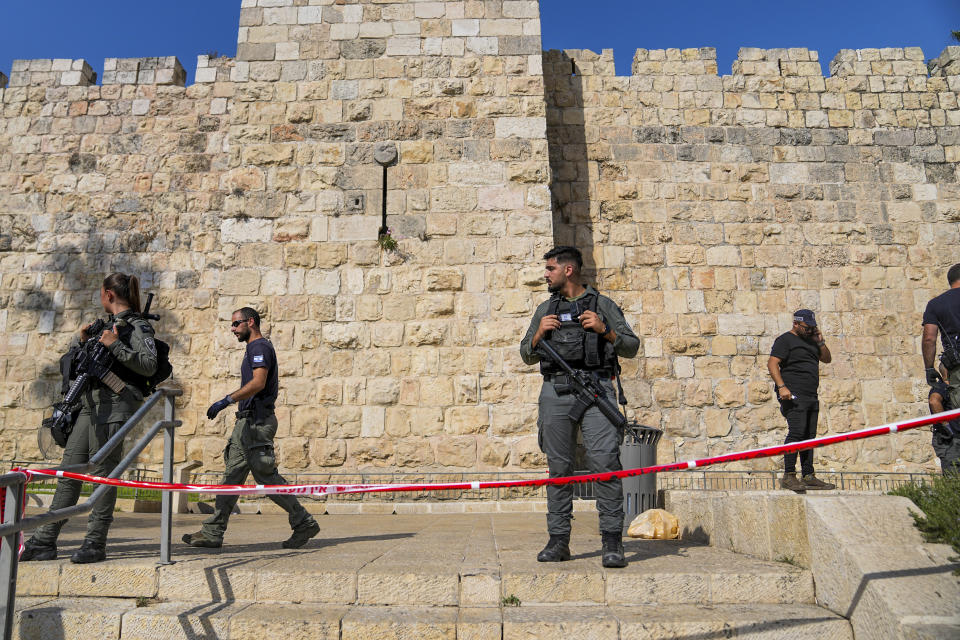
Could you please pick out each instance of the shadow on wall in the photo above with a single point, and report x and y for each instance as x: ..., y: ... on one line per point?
x: 65, y: 258
x: 567, y: 147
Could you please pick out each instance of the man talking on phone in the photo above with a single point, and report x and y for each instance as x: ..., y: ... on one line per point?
x: 794, y: 365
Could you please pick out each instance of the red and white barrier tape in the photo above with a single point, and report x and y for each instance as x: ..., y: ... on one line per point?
x: 333, y: 489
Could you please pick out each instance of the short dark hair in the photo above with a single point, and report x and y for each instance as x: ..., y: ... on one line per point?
x: 566, y: 255
x: 250, y: 314
x: 953, y: 274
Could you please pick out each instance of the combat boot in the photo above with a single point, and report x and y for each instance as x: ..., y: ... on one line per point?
x: 33, y: 550
x: 200, y: 539
x: 301, y: 535
x: 613, y: 550
x: 557, y: 549
x: 790, y: 482
x: 811, y: 482
x: 89, y: 552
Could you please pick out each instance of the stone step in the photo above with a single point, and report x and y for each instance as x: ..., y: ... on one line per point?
x: 441, y: 574
x: 122, y: 619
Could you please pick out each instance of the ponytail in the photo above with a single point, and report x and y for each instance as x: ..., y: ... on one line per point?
x: 127, y: 288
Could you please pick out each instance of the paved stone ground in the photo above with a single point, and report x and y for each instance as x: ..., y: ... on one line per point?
x: 399, y: 576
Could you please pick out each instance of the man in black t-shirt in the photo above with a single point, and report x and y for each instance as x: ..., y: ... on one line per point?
x: 250, y: 448
x: 946, y: 435
x: 794, y: 365
x: 942, y: 316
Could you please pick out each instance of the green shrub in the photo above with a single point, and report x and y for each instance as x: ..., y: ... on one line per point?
x: 940, y: 502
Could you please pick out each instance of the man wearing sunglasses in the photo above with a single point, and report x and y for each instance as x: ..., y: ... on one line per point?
x: 250, y: 448
x: 794, y: 365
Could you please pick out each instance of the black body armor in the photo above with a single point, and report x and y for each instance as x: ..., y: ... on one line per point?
x: 581, y: 349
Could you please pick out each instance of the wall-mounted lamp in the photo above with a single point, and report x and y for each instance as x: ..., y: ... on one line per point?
x: 385, y: 153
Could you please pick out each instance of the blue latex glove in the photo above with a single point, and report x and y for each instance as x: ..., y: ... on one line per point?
x: 219, y: 406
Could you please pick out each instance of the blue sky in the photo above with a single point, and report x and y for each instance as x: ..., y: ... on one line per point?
x: 98, y: 29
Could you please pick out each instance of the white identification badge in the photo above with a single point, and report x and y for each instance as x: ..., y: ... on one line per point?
x: 566, y: 317
x: 258, y: 359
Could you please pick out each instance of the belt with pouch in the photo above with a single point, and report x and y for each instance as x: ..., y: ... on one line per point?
x: 265, y: 412
x: 564, y: 379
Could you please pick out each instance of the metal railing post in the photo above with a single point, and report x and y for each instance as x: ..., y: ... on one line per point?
x: 166, y: 497
x: 9, y: 555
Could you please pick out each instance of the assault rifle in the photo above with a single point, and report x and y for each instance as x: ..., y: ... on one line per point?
x: 586, y: 389
x: 90, y: 361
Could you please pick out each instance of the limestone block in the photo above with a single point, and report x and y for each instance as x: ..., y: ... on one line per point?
x: 457, y: 452
x: 261, y: 620
x: 480, y: 587
x: 73, y: 618
x: 117, y: 580
x: 479, y: 624
x: 168, y: 620
x: 588, y: 623
x: 398, y: 585
x: 179, y: 581
x: 394, y: 623
x: 531, y: 128
x: 554, y: 587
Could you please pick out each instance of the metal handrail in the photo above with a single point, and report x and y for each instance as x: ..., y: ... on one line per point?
x: 13, y: 484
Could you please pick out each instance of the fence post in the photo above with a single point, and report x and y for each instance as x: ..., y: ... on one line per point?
x: 166, y: 497
x: 9, y: 555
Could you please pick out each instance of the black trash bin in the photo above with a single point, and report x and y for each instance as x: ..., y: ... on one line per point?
x: 639, y: 449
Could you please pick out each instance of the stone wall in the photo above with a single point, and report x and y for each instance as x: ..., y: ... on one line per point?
x: 708, y: 206
x: 715, y: 206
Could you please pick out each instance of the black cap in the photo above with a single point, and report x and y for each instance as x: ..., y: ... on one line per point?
x: 806, y: 316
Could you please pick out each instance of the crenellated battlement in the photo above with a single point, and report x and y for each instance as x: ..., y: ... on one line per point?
x: 882, y: 64
x: 879, y: 62
x: 675, y: 62
x: 222, y: 69
x: 46, y: 72
x: 946, y: 64
x: 161, y: 71
x: 776, y: 62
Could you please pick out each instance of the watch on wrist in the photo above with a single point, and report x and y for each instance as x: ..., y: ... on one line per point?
x: 606, y: 330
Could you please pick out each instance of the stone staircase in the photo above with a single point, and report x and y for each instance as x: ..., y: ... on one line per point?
x: 424, y: 576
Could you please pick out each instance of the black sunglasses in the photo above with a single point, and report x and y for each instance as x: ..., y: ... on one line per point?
x: 237, y: 323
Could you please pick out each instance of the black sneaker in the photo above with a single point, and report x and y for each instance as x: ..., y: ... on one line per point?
x: 301, y: 535
x: 89, y: 552
x: 199, y: 539
x: 557, y: 550
x: 613, y: 556
x: 33, y: 550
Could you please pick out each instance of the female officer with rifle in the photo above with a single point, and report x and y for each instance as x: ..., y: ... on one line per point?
x: 129, y: 340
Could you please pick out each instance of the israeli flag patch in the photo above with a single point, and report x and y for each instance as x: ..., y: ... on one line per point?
x: 258, y: 359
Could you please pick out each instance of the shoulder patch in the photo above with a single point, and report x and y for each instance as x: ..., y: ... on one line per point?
x: 258, y: 358
x: 150, y: 344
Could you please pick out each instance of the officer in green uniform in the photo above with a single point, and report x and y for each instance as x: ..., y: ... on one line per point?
x: 103, y: 412
x: 250, y: 448
x: 589, y: 331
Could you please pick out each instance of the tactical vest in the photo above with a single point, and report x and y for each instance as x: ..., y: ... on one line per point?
x: 132, y: 378
x: 581, y: 349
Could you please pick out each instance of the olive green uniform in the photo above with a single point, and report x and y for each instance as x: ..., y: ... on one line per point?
x: 557, y: 433
x: 250, y: 450
x: 102, y: 414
